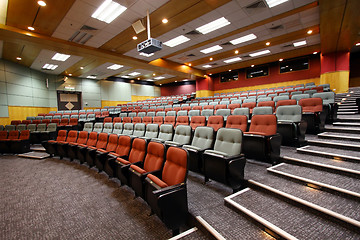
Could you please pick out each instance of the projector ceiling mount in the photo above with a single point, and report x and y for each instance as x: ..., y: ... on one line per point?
x: 150, y: 45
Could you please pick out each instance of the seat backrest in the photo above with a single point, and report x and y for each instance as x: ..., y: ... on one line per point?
x: 136, y: 120
x: 158, y: 120
x: 170, y: 120
x: 26, y: 122
x: 98, y: 127
x: 197, y: 121
x: 182, y: 113
x: 65, y: 116
x: 61, y: 135
x: 31, y: 127
x: 123, y: 145
x: 15, y: 122
x: 199, y: 108
x: 237, y: 121
x: 128, y: 129
x: 297, y: 97
x: 93, y: 136
x: 117, y: 120
x: 82, y: 138
x: 207, y: 113
x: 20, y: 127
x: 203, y: 104
x: 64, y: 121
x: 152, y: 130
x: 171, y: 113
x: 132, y: 114
x: 108, y: 127
x: 182, y: 120
x: 88, y: 127
x: 122, y: 115
x: 242, y: 111
x: 139, y: 130
x: 311, y: 104
x: 220, y: 106
x: 249, y: 100
x: 264, y: 99
x: 278, y: 98
x: 193, y: 113
x: 229, y: 141
x: 138, y: 150
x: 209, y: 107
x: 51, y: 127
x: 147, y: 120
x: 166, y: 132
x: 24, y: 135
x: 155, y: 156
x: 203, y: 137
x: 233, y: 106
x: 3, y: 134
x: 10, y: 128
x: 72, y: 136
x: 141, y: 114
x: 73, y: 121
x: 223, y: 112
x: 290, y: 113
x: 216, y: 122
x: 108, y: 119
x: 150, y: 114
x: 112, y: 143
x: 175, y: 167
x: 14, y: 134
x: 263, y: 124
x: 327, y: 97
x: 286, y: 102
x: 118, y: 128
x: 127, y: 120
x: 249, y: 105
x: 41, y: 127
x: 262, y: 110
x: 182, y: 134
x: 102, y: 141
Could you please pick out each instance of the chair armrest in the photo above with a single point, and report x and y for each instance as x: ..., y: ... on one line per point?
x: 168, y: 189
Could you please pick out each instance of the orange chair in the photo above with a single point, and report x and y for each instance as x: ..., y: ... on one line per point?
x: 22, y: 144
x: 82, y: 147
x: 268, y: 103
x: 101, y: 154
x: 249, y: 105
x: 108, y: 119
x: 147, y: 120
x: 286, y: 102
x: 158, y: 120
x: 117, y: 120
x: 127, y: 120
x: 91, y: 151
x: 237, y: 121
x: 233, y: 106
x: 170, y: 120
x: 51, y: 145
x: 313, y: 114
x: 215, y: 122
x: 197, y: 121
x: 62, y: 146
x: 136, y: 120
x: 73, y: 146
x: 220, y: 106
x: 182, y: 120
x: 122, y: 150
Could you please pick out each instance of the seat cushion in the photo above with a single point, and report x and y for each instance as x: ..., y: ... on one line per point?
x: 157, y: 181
x: 217, y: 152
x: 138, y: 169
x: 123, y: 161
x: 256, y: 133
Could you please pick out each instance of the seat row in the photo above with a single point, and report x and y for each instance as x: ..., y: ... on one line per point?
x: 14, y: 141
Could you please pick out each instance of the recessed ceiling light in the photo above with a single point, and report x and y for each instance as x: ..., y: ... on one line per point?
x: 42, y: 3
x: 229, y: 70
x: 115, y: 67
x: 138, y: 78
x: 176, y: 41
x: 358, y: 44
x: 301, y: 43
x: 210, y: 74
x: 60, y: 57
x: 154, y: 74
x: 134, y: 74
x: 207, y: 66
x: 164, y: 20
x: 31, y: 28
x: 273, y: 3
x: 158, y: 78
x: 212, y: 26
x: 211, y: 49
x: 81, y: 67
x: 310, y: 31
x: 236, y: 51
x: 211, y: 59
x: 232, y: 60
x: 108, y: 11
x: 189, y: 64
x: 175, y: 81
x: 315, y: 53
x: 48, y: 66
x: 70, y: 74
x: 253, y: 65
x: 150, y: 80
x: 267, y: 43
x: 243, y: 39
x: 160, y: 84
x: 91, y: 77
x: 146, y: 54
x: 280, y: 60
x: 259, y: 53
x: 134, y: 37
x: 18, y: 58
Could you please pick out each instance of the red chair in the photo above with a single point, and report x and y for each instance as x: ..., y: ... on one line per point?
x: 91, y: 151
x: 22, y: 144
x: 158, y: 120
x: 233, y: 106
x: 101, y: 154
x: 127, y: 120
x: 237, y: 121
x: 267, y: 103
x: 73, y: 146
x: 15, y: 122
x: 51, y: 145
x: 176, y: 109
x: 136, y: 120
x: 197, y: 108
x: 82, y: 148
x: 249, y: 105
x: 182, y: 120
x: 197, y: 121
x: 26, y: 122
x: 63, y: 122
x: 166, y: 191
x: 220, y: 106
x: 187, y: 108
x: 313, y: 114
x: 147, y: 120
x: 286, y: 102
x: 122, y: 150
x: 46, y: 121
x: 62, y: 146
x: 215, y: 122
x: 73, y: 124
x: 57, y: 121
x: 209, y: 107
x: 170, y: 120
x: 36, y: 122
x: 117, y: 120
x: 108, y: 119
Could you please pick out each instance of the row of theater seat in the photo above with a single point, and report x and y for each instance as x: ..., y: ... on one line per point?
x: 14, y: 141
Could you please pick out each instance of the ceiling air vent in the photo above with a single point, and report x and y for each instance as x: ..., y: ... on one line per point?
x: 191, y: 55
x: 88, y: 28
x: 226, y: 44
x: 193, y: 32
x: 183, y: 59
x: 255, y: 7
x: 246, y: 56
x: 83, y: 35
x: 288, y: 45
x: 278, y: 27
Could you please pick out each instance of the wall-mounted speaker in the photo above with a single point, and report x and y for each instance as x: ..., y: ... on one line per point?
x: 138, y: 26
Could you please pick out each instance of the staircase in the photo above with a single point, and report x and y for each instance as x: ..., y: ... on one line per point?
x: 315, y: 192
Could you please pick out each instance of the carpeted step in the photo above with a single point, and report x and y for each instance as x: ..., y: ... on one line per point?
x: 340, y: 136
x: 339, y: 144
x: 331, y: 181
x: 35, y: 155
x: 343, y: 129
x: 192, y: 233
x: 329, y: 152
x: 347, y: 124
x: 285, y: 219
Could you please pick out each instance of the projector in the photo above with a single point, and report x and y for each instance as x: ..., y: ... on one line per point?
x: 150, y: 45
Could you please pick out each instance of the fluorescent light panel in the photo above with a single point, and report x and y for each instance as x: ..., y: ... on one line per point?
x: 273, y: 3
x: 176, y: 41
x: 115, y: 67
x: 48, y: 66
x: 211, y: 49
x: 108, y: 11
x: 214, y: 25
x: 125, y: 76
x: 259, y: 53
x: 301, y: 43
x: 146, y: 54
x: 207, y: 66
x: 134, y: 74
x: 232, y: 60
x: 60, y: 57
x: 158, y: 78
x: 243, y: 39
x: 91, y: 77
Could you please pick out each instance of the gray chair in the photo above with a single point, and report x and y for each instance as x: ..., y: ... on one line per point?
x: 226, y: 163
x: 74, y: 116
x: 249, y: 100
x: 65, y: 116
x: 160, y: 114
x: 225, y: 102
x: 141, y: 114
x: 203, y: 140
x: 182, y: 136
x: 297, y: 97
x: 278, y: 98
x: 296, y: 93
x: 214, y: 103
x: 108, y: 127
x: 150, y: 114
x: 171, y: 113
x: 309, y: 84
x: 310, y: 92
x: 194, y: 113
x: 207, y: 113
x: 39, y: 117
x: 166, y: 133
x: 182, y: 113
x: 223, y: 112
x: 262, y: 110
x: 284, y: 94
x: 11, y: 127
x: 203, y: 104
x: 152, y: 131
x: 194, y: 104
x: 30, y: 118
x: 88, y: 127
x: 326, y: 87
x: 48, y: 117
x: 236, y: 101
x: 123, y: 114
x: 35, y: 137
x: 139, y: 130
x: 242, y: 111
x: 31, y: 127
x: 330, y: 108
x: 118, y: 128
x: 264, y: 99
x: 50, y: 132
x: 90, y: 117
x: 98, y: 127
x: 132, y: 114
x: 19, y: 127
x: 128, y: 129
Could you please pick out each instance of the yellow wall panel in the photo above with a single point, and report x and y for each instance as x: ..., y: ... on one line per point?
x: 20, y: 113
x: 204, y: 93
x: 339, y: 81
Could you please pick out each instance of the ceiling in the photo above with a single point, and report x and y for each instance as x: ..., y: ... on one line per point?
x: 67, y: 27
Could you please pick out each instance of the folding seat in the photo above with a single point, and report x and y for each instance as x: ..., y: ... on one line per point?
x: 176, y: 105
x: 207, y: 113
x: 278, y: 98
x: 108, y: 127
x: 46, y: 121
x: 219, y: 107
x: 91, y: 150
x: 104, y: 114
x: 262, y: 142
x: 326, y: 87
x: 160, y: 114
x: 136, y: 120
x: 313, y: 114
x: 63, y: 123
x: 297, y: 97
x: 118, y: 128
x: 296, y: 93
x: 158, y: 120
x: 267, y: 103
x: 141, y: 114
x: 10, y: 128
x: 5, y: 142
x: 73, y: 146
x: 82, y: 118
x: 153, y: 162
x: 214, y: 103
x: 272, y: 95
x: 101, y: 154
x: 170, y: 120
x: 193, y: 113
x: 108, y: 120
x: 185, y: 108
x: 51, y: 145
x: 197, y: 121
x: 1, y: 127
x: 26, y: 122
x: 224, y: 102
x: 203, y: 104
x: 57, y: 117
x: 152, y: 131
x: 216, y: 122
x: 22, y: 144
x: 128, y: 129
x: 237, y: 121
x: 182, y: 136
x: 249, y: 100
x: 197, y: 108
x: 15, y: 122
x: 147, y: 120
x: 182, y: 120
x: 73, y: 124
x: 20, y: 127
x: 249, y: 105
x: 284, y: 93
x: 193, y: 104
x: 88, y: 127
x: 49, y: 133
x: 62, y: 146
x: 31, y: 127
x: 30, y: 118
x: 82, y: 148
x: 127, y: 120
x: 98, y: 127
x: 122, y: 150
x: 309, y: 84
x: 132, y: 115
x: 286, y: 102
x: 223, y: 112
x: 226, y: 162
x: 265, y: 110
x: 166, y: 133
x: 65, y: 116
x: 39, y: 118
x: 35, y: 136
x: 329, y: 106
x: 150, y: 114
x: 232, y: 106
x: 159, y: 109
x: 136, y: 156
x: 122, y: 115
x: 139, y: 130
x: 264, y: 99
x: 182, y: 113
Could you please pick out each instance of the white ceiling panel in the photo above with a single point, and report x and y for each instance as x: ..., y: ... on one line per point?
x: 102, y: 72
